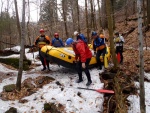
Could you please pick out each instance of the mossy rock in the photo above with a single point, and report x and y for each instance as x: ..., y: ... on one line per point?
x: 51, y: 107
x: 47, y: 106
x: 11, y: 110
x: 14, y: 62
x: 9, y: 88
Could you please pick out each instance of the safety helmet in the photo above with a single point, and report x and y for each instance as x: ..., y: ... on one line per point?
x: 101, y: 36
x: 94, y: 33
x: 41, y: 30
x: 56, y: 34
x: 75, y: 33
x: 116, y: 33
x: 69, y: 41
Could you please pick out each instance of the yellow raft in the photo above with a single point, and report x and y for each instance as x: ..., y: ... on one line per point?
x: 65, y: 56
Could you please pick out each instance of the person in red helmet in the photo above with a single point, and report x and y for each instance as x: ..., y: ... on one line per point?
x: 41, y: 41
x: 56, y: 41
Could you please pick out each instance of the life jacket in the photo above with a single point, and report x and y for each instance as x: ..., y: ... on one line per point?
x: 98, y: 44
x: 42, y: 41
x: 57, y: 42
x: 118, y: 41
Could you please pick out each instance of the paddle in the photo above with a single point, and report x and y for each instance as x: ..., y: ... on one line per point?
x: 99, y: 90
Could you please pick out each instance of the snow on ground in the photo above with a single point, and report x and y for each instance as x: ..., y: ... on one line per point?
x: 90, y: 102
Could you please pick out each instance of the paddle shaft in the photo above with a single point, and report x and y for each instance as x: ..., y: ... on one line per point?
x: 87, y: 89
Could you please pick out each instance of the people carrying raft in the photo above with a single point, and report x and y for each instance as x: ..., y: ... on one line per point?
x: 82, y: 56
x: 57, y: 41
x: 41, y: 41
x: 99, y: 48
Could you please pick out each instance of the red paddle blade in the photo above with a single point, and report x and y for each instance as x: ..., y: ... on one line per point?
x: 105, y: 91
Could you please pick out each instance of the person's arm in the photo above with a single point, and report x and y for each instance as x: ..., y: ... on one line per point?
x: 62, y: 44
x: 122, y: 39
x: 47, y: 39
x: 81, y: 50
x: 36, y: 41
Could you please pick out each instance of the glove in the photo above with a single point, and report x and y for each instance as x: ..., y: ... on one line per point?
x: 83, y: 65
x: 94, y: 53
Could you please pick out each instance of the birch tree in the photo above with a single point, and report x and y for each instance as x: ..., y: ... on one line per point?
x: 140, y: 36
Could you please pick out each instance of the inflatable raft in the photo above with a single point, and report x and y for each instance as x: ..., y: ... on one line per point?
x: 65, y: 56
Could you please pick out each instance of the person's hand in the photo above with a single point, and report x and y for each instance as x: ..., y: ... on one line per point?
x: 33, y: 46
x: 94, y: 53
x: 83, y: 65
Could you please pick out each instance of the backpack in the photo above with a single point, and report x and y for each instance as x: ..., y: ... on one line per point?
x: 83, y: 38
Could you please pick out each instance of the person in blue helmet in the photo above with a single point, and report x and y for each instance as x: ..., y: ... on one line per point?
x: 56, y: 41
x: 82, y: 56
x: 99, y: 48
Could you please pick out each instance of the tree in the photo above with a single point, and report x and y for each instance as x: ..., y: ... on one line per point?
x: 99, y: 12
x: 86, y: 17
x: 19, y: 77
x: 110, y: 27
x: 140, y: 36
x: 78, y: 15
x: 148, y: 11
x: 103, y: 13
x: 17, y: 19
x: 65, y: 16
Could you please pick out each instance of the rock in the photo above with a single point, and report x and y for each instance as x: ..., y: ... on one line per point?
x: 9, y: 88
x: 11, y: 110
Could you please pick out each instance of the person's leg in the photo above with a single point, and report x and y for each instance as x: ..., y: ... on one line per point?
x: 98, y: 59
x: 79, y: 70
x: 118, y: 52
x: 86, y: 70
x: 121, y: 54
x: 47, y: 62
x: 42, y: 61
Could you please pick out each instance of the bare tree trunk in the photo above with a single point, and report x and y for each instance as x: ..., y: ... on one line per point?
x: 148, y: 11
x: 73, y: 15
x: 144, y: 13
x: 112, y: 4
x: 28, y: 29
x: 110, y: 27
x: 87, y: 23
x: 64, y: 17
x: 92, y: 15
x: 78, y: 15
x: 17, y: 18
x: 19, y: 77
x: 103, y: 17
x: 126, y: 15
x: 140, y: 35
x: 99, y: 17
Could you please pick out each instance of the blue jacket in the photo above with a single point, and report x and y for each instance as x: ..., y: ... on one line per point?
x: 98, y: 43
x: 57, y: 42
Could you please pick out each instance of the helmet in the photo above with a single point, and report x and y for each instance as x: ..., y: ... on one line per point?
x: 69, y: 41
x: 41, y: 30
x: 56, y: 34
x: 76, y: 32
x: 101, y: 36
x: 94, y: 33
x: 116, y: 33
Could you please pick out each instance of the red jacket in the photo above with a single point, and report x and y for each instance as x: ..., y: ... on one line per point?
x: 81, y: 50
